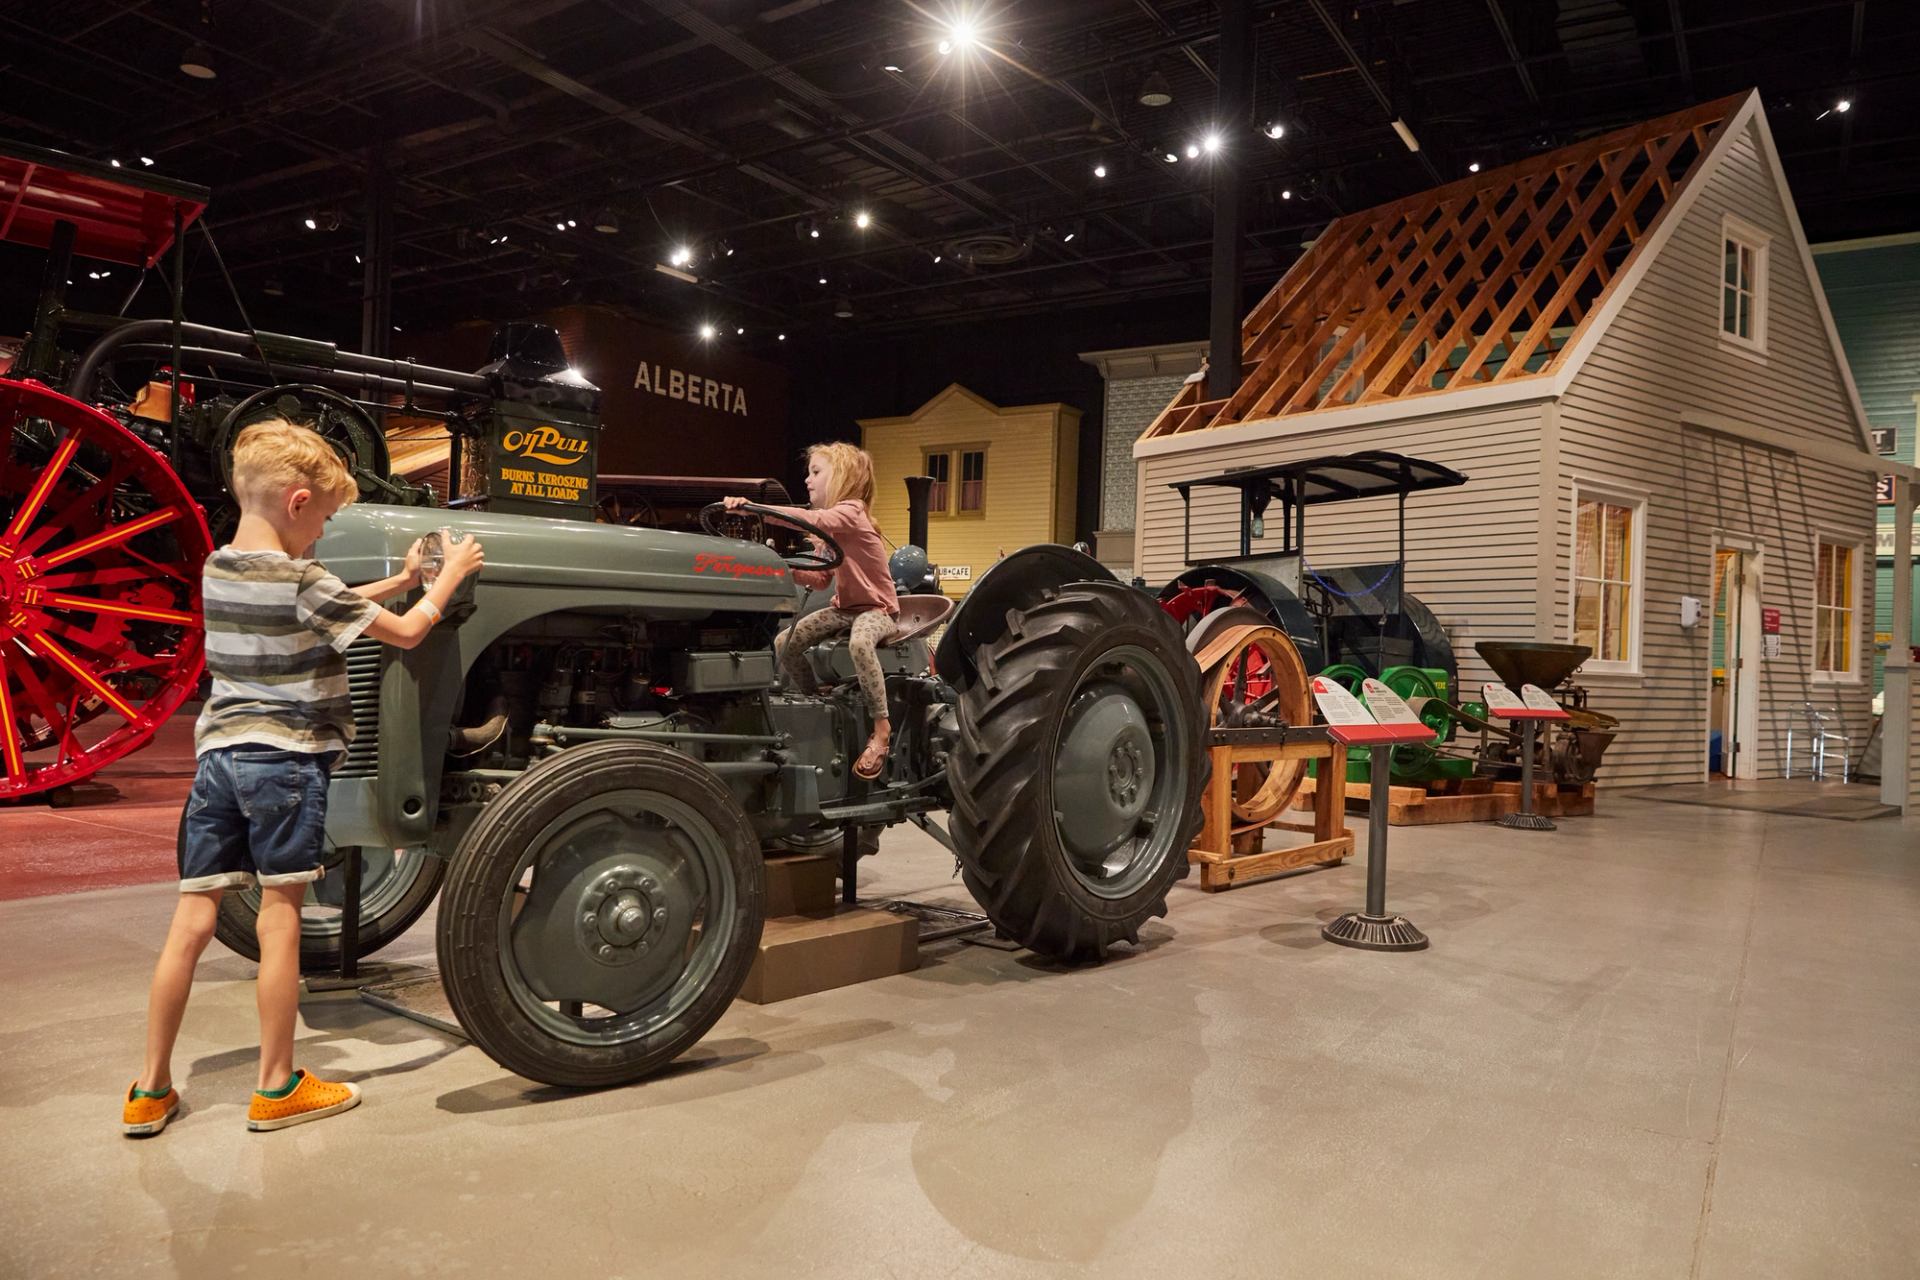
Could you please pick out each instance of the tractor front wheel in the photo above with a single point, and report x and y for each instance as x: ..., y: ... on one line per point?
x: 1078, y: 778
x: 600, y: 915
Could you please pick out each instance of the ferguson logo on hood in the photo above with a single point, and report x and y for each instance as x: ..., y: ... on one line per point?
x: 735, y: 568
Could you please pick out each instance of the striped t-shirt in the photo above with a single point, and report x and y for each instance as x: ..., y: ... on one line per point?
x: 276, y: 631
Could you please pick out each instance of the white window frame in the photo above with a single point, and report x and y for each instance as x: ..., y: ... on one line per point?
x: 1852, y: 674
x: 1743, y: 233
x: 1613, y: 495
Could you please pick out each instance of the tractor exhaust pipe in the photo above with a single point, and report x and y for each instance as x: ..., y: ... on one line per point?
x: 918, y: 487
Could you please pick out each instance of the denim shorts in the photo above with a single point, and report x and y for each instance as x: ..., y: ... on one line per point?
x: 255, y: 815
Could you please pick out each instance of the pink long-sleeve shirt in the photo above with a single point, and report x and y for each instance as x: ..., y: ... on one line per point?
x: 862, y: 581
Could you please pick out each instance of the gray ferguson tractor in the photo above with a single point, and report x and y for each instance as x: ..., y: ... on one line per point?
x: 596, y: 755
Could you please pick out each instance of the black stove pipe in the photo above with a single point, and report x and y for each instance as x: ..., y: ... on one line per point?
x: 918, y: 487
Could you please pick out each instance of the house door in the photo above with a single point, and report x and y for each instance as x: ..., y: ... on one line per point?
x: 1733, y: 705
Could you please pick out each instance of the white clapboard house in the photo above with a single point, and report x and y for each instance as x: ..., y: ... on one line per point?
x: 1624, y: 346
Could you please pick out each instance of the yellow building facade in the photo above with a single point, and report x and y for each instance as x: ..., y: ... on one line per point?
x: 1004, y: 478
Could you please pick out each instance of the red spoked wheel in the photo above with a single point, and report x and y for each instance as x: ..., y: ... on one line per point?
x: 100, y: 554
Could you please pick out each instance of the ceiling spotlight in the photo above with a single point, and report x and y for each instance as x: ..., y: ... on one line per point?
x: 197, y: 62
x: 1275, y: 130
x: 114, y: 163
x: 863, y: 219
x: 726, y: 248
x: 572, y: 223
x: 783, y: 337
x: 964, y: 33
x: 1171, y: 158
x: 1406, y: 134
x: 682, y: 255
x: 1474, y: 167
x: 946, y: 47
x: 823, y: 279
x: 1286, y: 193
x: 356, y: 260
x: 606, y: 222
x: 1211, y: 143
x: 1844, y: 105
x: 1068, y: 238
x: 1155, y: 91
x: 1099, y: 171
x: 741, y: 331
x: 559, y: 226
x: 310, y: 222
x: 147, y: 161
x: 1193, y: 151
x: 936, y: 258
x: 842, y: 308
x: 273, y: 288
x: 707, y: 332
x: 892, y: 70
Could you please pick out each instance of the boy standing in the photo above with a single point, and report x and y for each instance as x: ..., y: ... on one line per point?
x: 278, y: 720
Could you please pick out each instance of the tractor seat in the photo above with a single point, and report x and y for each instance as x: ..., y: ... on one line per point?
x: 918, y: 615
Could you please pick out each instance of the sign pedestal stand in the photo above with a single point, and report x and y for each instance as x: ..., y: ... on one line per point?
x: 1532, y: 705
x: 1385, y: 721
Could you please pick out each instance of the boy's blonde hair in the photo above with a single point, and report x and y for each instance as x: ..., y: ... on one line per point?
x: 272, y: 455
x: 852, y: 472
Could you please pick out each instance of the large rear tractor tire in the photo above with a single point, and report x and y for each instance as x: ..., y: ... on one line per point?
x: 600, y: 915
x: 1078, y: 779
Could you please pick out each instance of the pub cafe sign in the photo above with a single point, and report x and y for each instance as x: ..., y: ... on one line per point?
x: 692, y: 388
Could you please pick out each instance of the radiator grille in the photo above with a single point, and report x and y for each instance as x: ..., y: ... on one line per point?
x: 363, y: 681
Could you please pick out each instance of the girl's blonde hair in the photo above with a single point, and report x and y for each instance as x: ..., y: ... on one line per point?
x: 852, y: 472
x: 270, y: 456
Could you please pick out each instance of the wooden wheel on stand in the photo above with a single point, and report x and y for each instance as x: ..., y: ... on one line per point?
x: 1252, y: 676
x: 101, y: 548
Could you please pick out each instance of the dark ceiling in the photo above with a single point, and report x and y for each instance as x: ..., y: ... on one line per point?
x: 513, y: 127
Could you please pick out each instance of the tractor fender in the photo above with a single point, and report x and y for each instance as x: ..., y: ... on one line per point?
x: 1018, y: 581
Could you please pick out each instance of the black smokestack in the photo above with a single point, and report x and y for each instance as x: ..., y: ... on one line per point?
x: 918, y: 487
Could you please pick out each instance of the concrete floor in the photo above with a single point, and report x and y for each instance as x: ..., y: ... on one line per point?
x: 1667, y: 1041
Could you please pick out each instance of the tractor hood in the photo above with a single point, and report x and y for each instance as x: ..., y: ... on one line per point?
x: 366, y: 542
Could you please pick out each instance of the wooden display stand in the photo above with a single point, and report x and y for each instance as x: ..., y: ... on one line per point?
x: 1227, y: 857
x: 812, y: 943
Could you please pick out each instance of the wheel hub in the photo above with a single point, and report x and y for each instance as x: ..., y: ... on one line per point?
x: 623, y: 914
x: 611, y: 917
x: 1103, y: 773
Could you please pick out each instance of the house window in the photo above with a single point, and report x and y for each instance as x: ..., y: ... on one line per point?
x: 973, y: 480
x: 1743, y: 285
x: 1608, y: 537
x: 940, y: 467
x: 1833, y: 610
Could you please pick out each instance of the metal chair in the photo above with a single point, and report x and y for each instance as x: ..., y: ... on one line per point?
x: 1819, y: 736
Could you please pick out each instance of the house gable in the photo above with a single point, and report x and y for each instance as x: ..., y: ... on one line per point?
x: 1667, y: 326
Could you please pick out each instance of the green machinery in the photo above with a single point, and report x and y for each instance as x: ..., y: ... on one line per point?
x: 1430, y: 692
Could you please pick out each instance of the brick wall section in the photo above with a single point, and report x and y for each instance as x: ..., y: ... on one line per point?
x: 1132, y: 405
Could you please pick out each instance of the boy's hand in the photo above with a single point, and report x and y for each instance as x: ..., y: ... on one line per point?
x: 414, y: 556
x: 463, y: 558
x: 734, y: 504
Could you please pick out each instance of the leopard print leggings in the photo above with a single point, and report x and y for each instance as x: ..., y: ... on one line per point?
x: 869, y: 628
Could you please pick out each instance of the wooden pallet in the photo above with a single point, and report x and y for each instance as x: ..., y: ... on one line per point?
x: 1464, y: 800
x: 1552, y: 800
x: 1227, y: 856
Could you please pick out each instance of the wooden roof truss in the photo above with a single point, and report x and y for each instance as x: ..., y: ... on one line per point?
x: 1485, y: 280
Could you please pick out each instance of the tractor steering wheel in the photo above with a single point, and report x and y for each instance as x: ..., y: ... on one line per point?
x: 828, y: 558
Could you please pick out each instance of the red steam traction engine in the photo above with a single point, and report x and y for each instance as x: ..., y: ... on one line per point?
x: 107, y: 495
x: 100, y: 539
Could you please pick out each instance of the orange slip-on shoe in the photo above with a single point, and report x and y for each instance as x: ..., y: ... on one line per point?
x: 146, y: 1113
x: 307, y: 1098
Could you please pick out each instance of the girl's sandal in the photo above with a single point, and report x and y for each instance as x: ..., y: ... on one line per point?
x: 870, y: 765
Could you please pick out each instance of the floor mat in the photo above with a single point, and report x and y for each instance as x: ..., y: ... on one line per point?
x: 1839, y: 802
